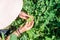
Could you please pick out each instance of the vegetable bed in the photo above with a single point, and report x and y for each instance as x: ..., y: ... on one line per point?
x: 47, y: 20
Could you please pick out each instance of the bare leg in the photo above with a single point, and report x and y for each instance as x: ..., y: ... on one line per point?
x: 0, y: 38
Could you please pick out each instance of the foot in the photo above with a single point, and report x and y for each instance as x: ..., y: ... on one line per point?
x: 28, y: 25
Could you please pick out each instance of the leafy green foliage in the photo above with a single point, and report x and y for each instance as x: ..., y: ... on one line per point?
x: 47, y: 20
x: 13, y: 37
x: 3, y: 37
x: 24, y: 37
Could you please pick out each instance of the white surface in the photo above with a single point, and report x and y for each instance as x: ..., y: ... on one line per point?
x: 9, y: 11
